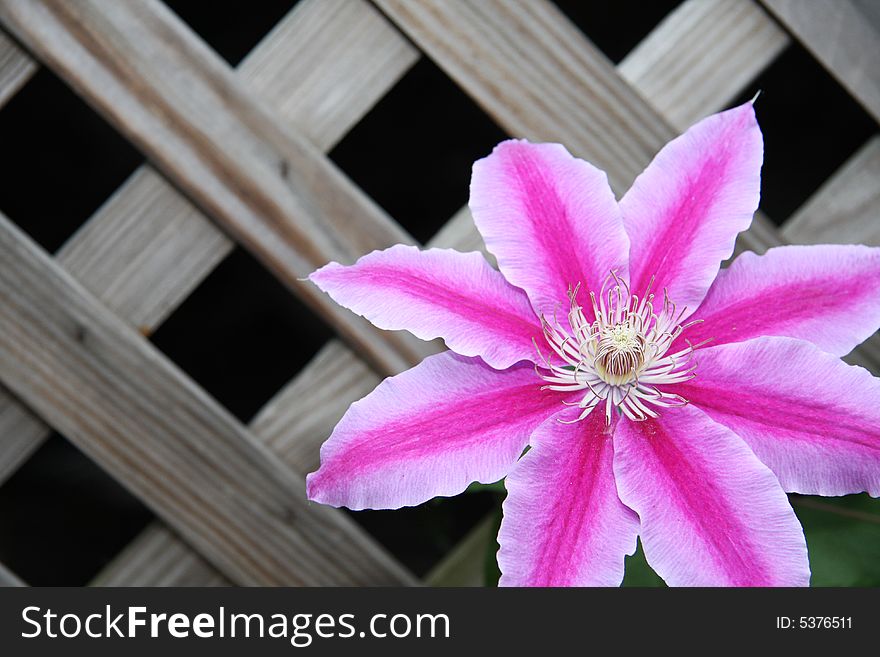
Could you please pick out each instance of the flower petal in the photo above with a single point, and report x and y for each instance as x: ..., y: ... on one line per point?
x: 550, y: 219
x: 563, y: 522
x: 430, y: 431
x: 684, y: 211
x: 438, y: 293
x: 827, y: 294
x: 712, y: 514
x: 810, y: 417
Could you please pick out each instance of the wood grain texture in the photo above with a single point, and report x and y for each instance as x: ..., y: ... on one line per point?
x: 21, y: 433
x: 846, y: 209
x: 538, y: 77
x: 843, y: 37
x: 158, y: 557
x: 135, y: 414
x: 701, y: 56
x: 293, y: 425
x: 326, y: 64
x: 148, y: 247
x: 144, y: 250
x: 16, y: 68
x: 272, y: 190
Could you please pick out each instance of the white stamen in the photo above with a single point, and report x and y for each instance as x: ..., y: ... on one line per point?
x: 620, y: 358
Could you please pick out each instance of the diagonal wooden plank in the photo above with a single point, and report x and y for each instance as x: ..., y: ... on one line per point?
x: 16, y: 68
x: 293, y: 425
x: 265, y: 184
x: 846, y: 208
x: 158, y: 557
x: 844, y: 38
x: 148, y: 246
x: 701, y: 56
x: 326, y: 64
x: 538, y: 77
x: 133, y: 412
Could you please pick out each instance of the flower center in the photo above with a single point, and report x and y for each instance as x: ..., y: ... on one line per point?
x: 620, y: 357
x: 620, y: 353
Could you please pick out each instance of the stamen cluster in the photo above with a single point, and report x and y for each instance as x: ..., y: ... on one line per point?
x: 620, y: 357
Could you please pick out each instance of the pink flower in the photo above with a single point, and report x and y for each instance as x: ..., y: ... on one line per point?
x: 680, y: 418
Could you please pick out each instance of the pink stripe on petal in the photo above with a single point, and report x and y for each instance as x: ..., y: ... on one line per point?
x: 430, y: 431
x: 563, y: 522
x: 438, y: 293
x: 684, y: 211
x: 810, y: 417
x: 711, y: 513
x: 827, y: 294
x: 550, y: 219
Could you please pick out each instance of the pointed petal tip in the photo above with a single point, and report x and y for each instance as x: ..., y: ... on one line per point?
x: 313, y: 487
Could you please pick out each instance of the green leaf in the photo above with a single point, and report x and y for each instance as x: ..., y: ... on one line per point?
x: 638, y: 572
x: 843, y: 539
x: 494, y: 487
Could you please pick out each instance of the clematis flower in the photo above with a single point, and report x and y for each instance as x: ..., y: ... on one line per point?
x: 659, y: 396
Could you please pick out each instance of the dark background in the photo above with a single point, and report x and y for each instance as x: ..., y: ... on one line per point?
x: 241, y: 334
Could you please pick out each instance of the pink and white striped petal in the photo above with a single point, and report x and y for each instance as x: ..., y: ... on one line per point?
x: 711, y: 513
x: 684, y: 211
x: 550, y: 219
x: 563, y: 522
x: 827, y: 294
x: 430, y: 431
x: 438, y: 293
x: 810, y: 417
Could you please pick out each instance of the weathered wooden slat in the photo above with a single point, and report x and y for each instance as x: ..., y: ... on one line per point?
x: 158, y: 557
x: 326, y: 64
x: 846, y: 209
x: 148, y: 247
x: 843, y: 38
x: 21, y: 433
x: 16, y: 68
x: 538, y: 77
x: 144, y: 250
x: 293, y: 425
x: 701, y: 56
x: 133, y: 412
x: 265, y: 184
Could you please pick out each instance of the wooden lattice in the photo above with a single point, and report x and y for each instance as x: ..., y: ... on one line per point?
x: 240, y: 156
